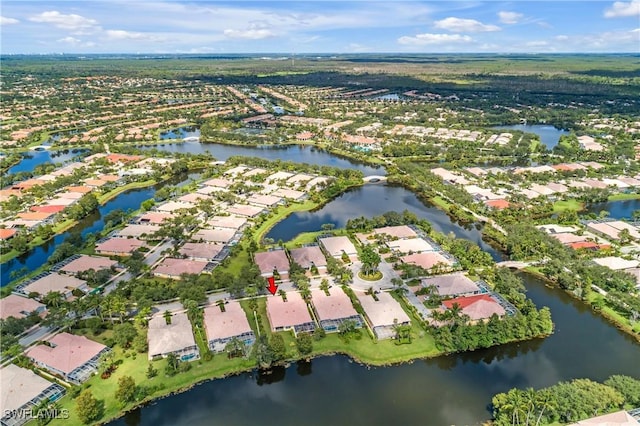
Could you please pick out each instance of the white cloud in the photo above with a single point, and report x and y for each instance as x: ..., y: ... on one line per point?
x: 250, y: 34
x: 71, y: 22
x: 459, y: 25
x: 69, y: 40
x: 424, y: 39
x: 562, y: 37
x: 621, y: 9
x: 8, y: 21
x: 131, y: 35
x: 537, y: 43
x: 509, y: 17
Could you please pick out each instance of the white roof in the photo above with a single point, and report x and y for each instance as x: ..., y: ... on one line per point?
x: 18, y: 386
x: 165, y: 338
x: 54, y: 282
x: 337, y: 245
x: 415, y: 245
x: 384, y: 311
x: 616, y: 263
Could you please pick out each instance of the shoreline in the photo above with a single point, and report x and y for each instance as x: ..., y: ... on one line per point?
x: 609, y: 318
x: 352, y: 357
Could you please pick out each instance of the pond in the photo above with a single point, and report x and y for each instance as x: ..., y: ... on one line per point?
x: 181, y: 133
x: 549, y: 135
x: 373, y: 200
x: 622, y: 209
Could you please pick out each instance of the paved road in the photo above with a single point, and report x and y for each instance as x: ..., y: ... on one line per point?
x: 38, y: 333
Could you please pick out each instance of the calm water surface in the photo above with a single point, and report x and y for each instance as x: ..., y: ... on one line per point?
x: 295, y: 153
x: 549, y: 135
x: 28, y: 164
x: 373, y: 200
x: 622, y: 209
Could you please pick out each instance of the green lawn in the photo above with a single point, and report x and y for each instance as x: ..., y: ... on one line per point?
x: 281, y: 214
x: 622, y: 196
x: 562, y: 205
x: 104, y: 390
x: 440, y: 202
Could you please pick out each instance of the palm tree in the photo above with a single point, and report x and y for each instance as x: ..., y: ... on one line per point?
x: 167, y: 317
x: 324, y: 286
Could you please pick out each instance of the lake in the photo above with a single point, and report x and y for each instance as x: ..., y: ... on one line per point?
x: 549, y: 135
x: 35, y: 158
x: 373, y: 200
x: 617, y: 209
x: 295, y: 153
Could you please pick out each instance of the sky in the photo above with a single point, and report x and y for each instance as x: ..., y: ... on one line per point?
x: 331, y: 26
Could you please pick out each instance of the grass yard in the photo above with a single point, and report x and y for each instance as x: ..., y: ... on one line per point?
x: 102, y: 199
x: 623, y: 196
x: 563, y: 205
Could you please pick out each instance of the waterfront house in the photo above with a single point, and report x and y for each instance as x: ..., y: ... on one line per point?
x: 175, y: 337
x: 74, y: 358
x: 383, y: 313
x: 451, y: 285
x: 22, y: 389
x: 478, y: 307
x: 410, y: 245
x: 427, y: 260
x: 334, y: 309
x: 290, y: 315
x: 222, y: 327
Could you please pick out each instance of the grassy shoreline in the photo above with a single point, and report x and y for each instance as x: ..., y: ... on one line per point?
x: 607, y: 313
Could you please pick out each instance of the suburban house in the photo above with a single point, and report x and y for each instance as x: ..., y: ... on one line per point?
x: 19, y: 306
x: 175, y: 337
x: 478, y: 307
x: 119, y: 246
x: 200, y: 251
x: 290, y: 315
x: 334, y: 309
x: 222, y: 327
x: 383, y: 314
x: 74, y: 358
x: 273, y: 261
x: 308, y: 257
x: 84, y: 263
x: 336, y: 247
x: 22, y: 389
x: 452, y: 285
x: 174, y: 268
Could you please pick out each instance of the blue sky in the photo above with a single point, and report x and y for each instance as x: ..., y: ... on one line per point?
x: 138, y: 26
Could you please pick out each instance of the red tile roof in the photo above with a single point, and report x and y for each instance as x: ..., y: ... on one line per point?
x: 47, y: 209
x: 463, y: 302
x: 498, y: 204
x: 6, y: 233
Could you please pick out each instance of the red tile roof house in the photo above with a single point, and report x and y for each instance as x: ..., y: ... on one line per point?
x: 290, y: 315
x: 85, y: 263
x: 174, y: 268
x: 75, y: 358
x: 308, y: 257
x: 334, y: 309
x: 479, y: 307
x: 65, y: 284
x: 383, y: 314
x: 22, y: 389
x: 452, y: 285
x: 7, y: 233
x: 19, y: 306
x: 399, y: 232
x: 222, y: 327
x: 200, y: 251
x: 119, y: 246
x: 176, y: 338
x: 273, y: 261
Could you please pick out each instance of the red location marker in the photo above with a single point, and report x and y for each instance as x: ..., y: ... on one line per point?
x: 272, y: 285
